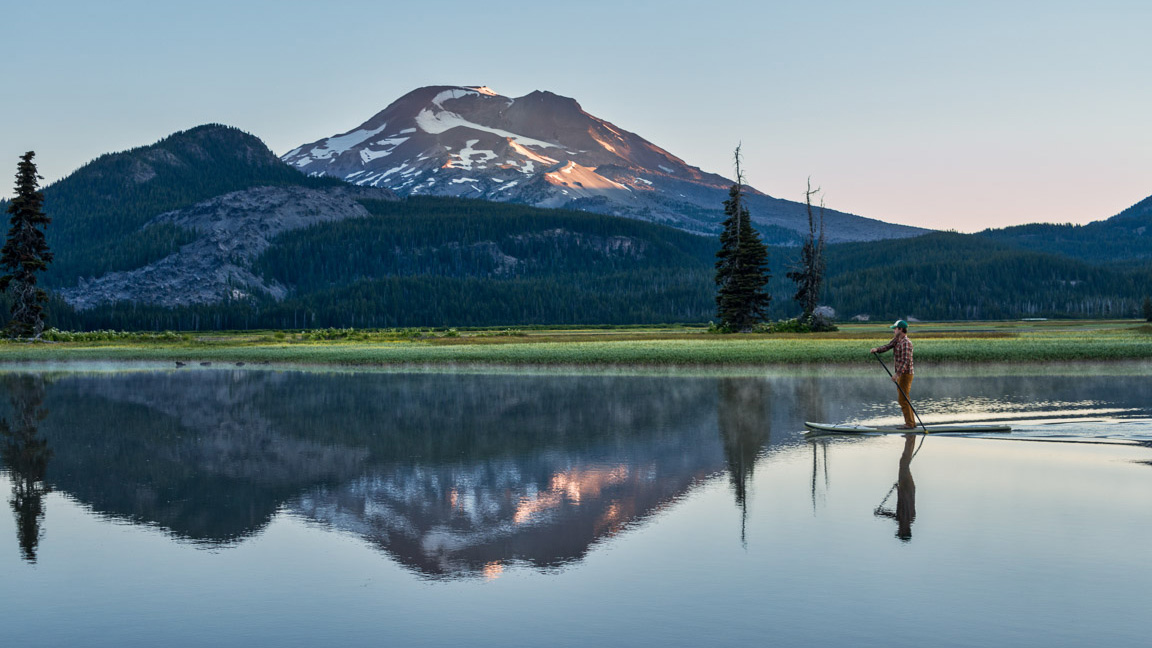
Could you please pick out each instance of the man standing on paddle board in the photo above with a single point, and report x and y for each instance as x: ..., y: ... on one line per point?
x: 902, y: 355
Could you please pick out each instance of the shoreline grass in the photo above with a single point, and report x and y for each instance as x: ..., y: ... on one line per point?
x: 672, y: 347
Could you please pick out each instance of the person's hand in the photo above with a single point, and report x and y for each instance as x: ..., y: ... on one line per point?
x: 874, y: 349
x: 894, y: 380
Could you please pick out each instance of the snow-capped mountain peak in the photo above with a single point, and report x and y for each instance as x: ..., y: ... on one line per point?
x: 541, y: 149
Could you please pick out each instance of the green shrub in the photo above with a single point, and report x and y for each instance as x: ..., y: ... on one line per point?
x: 56, y: 335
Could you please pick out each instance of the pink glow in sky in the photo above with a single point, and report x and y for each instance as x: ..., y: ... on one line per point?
x: 944, y: 115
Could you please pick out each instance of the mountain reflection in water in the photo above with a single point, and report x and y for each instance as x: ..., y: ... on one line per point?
x: 451, y: 475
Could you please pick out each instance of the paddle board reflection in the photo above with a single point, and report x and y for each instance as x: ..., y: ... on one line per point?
x: 905, y: 489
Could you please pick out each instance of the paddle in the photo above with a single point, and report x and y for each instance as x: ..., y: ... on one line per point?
x: 881, y: 361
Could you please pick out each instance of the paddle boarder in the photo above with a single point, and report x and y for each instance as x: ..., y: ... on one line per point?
x: 901, y: 348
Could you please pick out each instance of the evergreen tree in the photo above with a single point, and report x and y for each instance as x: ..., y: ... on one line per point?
x: 809, y: 272
x: 741, y: 265
x: 1148, y: 309
x: 26, y: 252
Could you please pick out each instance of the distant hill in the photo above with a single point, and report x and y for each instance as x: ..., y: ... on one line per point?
x: 99, y: 212
x: 962, y: 276
x: 1126, y: 238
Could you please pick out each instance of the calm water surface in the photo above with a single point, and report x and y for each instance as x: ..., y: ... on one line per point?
x: 240, y: 507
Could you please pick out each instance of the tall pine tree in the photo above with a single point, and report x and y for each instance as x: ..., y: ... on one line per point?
x: 809, y: 272
x: 26, y: 252
x: 741, y: 265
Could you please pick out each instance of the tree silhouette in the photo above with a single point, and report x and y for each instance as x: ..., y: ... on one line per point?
x: 26, y: 252
x: 741, y: 265
x: 809, y: 272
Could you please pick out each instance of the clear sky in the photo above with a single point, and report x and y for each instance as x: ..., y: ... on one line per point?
x: 951, y: 115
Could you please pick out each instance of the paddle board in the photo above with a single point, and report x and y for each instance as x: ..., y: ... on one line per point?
x: 830, y: 428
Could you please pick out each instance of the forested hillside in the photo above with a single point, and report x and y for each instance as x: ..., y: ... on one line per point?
x: 471, y: 238
x: 960, y: 276
x: 457, y: 262
x: 1125, y: 239
x: 99, y: 211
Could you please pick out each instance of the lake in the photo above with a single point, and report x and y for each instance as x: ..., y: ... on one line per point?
x: 254, y: 506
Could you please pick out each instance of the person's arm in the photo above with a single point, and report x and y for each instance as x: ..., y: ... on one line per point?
x: 886, y: 347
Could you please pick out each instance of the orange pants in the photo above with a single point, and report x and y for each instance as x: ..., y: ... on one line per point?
x: 905, y: 383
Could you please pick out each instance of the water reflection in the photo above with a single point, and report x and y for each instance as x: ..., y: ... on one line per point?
x: 745, y: 430
x: 450, y: 475
x: 905, y: 489
x: 25, y: 455
x: 525, y: 471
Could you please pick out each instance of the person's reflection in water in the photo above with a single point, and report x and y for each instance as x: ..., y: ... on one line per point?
x: 905, y: 488
x: 26, y: 455
x: 745, y: 430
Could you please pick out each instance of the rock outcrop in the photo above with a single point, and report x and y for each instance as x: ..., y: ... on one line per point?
x: 233, y: 231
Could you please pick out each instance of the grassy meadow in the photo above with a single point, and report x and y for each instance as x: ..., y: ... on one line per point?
x: 672, y: 346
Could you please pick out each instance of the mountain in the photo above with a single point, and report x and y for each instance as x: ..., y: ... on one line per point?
x: 178, y: 222
x: 103, y: 213
x: 208, y: 229
x: 1123, y: 239
x: 201, y: 224
x: 226, y: 235
x: 544, y: 150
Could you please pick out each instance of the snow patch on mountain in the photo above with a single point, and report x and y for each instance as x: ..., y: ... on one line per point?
x: 464, y: 159
x: 341, y: 143
x: 436, y: 123
x: 388, y: 146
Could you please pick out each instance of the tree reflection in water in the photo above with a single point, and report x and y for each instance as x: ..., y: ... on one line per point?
x: 25, y: 454
x: 745, y: 430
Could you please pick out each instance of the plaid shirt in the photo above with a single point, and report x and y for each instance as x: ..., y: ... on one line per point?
x: 902, y: 353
